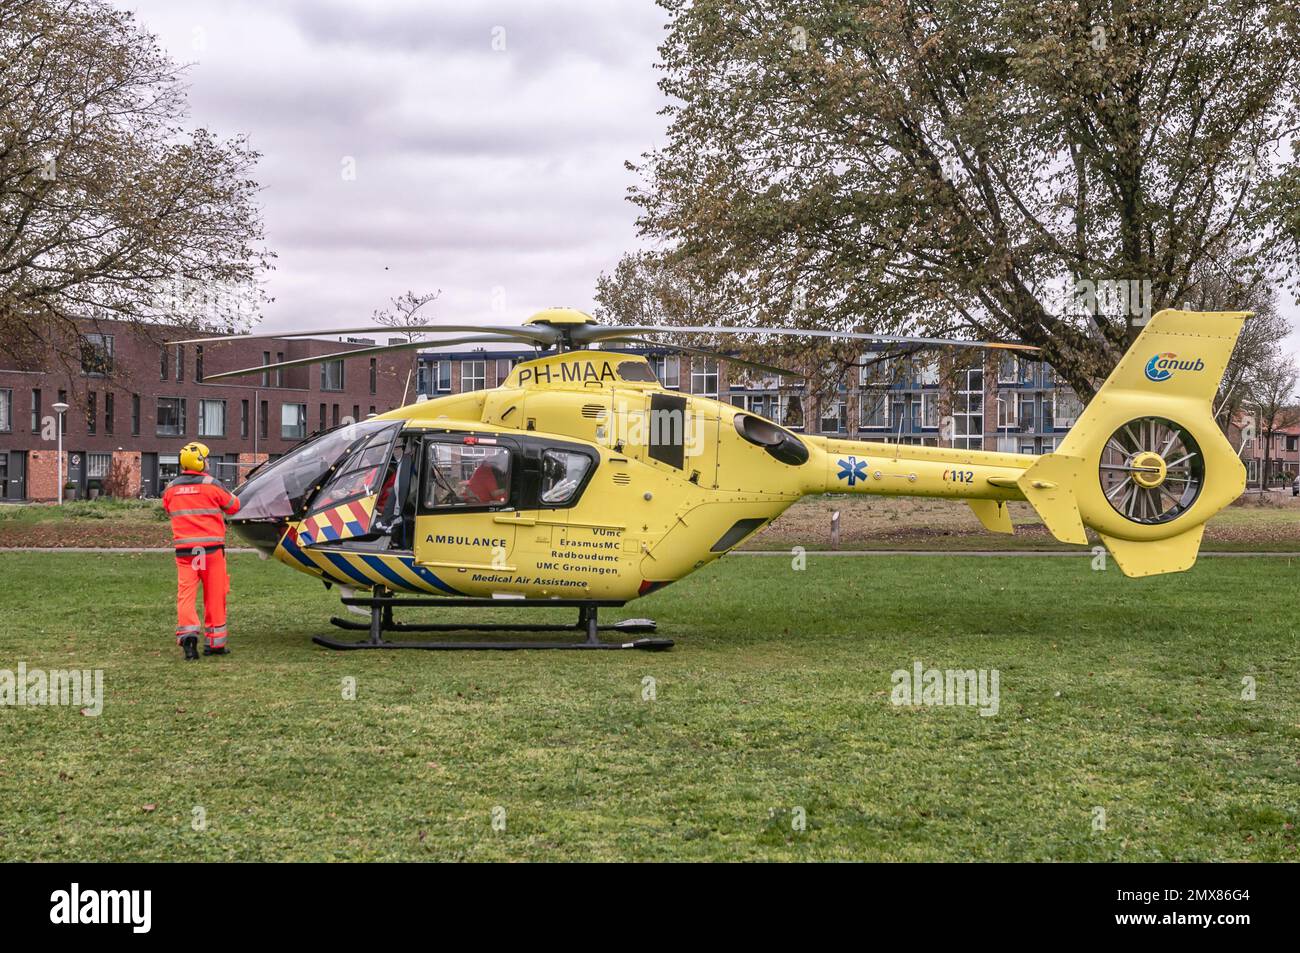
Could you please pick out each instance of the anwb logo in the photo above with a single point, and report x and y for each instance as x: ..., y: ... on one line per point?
x: 1161, y: 367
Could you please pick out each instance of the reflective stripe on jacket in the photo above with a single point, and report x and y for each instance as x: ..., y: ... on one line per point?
x: 198, y: 504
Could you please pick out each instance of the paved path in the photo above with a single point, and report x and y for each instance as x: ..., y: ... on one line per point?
x: 744, y: 552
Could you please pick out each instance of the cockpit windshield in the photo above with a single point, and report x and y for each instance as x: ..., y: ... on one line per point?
x: 280, y: 489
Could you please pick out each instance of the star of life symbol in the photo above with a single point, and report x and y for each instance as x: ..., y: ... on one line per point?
x: 852, y: 470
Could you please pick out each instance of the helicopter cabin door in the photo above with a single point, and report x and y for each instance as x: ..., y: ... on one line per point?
x: 350, y: 503
x: 468, y: 494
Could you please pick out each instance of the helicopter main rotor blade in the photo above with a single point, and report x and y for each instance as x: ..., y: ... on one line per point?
x: 591, y: 334
x: 533, y: 335
x: 704, y: 352
x: 359, y: 352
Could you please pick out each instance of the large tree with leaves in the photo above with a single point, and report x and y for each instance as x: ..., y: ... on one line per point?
x: 1048, y: 169
x: 109, y: 206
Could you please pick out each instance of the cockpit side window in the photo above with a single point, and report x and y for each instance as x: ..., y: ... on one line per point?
x: 562, y: 474
x: 283, y: 488
x: 361, y: 473
x: 458, y: 476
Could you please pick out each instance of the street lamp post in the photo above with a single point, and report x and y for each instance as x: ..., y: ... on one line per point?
x: 60, y: 409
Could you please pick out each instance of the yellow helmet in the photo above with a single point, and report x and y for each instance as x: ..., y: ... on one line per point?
x: 194, y: 456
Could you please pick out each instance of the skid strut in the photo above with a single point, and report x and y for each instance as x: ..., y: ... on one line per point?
x: 382, y: 602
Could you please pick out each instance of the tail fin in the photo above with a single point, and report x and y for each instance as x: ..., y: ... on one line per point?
x: 1146, y: 465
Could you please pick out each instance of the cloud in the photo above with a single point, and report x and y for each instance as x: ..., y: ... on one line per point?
x: 476, y: 148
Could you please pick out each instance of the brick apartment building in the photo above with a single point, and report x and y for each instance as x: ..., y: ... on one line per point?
x: 134, y: 403
x: 1283, y: 454
x: 993, y: 402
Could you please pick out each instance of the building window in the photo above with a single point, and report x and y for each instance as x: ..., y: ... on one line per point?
x: 169, y: 467
x: 421, y: 378
x: 877, y: 369
x: 135, y: 415
x: 668, y: 368
x: 171, y: 416
x: 1006, y: 410
x: 243, y: 420
x: 198, y: 363
x: 443, y: 378
x: 968, y: 409
x: 1066, y: 408
x: 1007, y: 372
x: 279, y: 371
x: 374, y: 375
x: 320, y: 426
x: 331, y: 375
x: 293, y: 421
x: 212, y: 418
x: 834, y: 417
x: 263, y: 418
x: 6, y: 410
x: 873, y: 411
x: 266, y: 375
x: 1025, y: 412
x: 92, y: 411
x: 1027, y: 371
x: 927, y: 372
x: 98, y: 465
x: 96, y: 354
x: 791, y: 412
x: 473, y: 375
x: 504, y: 367
x: 36, y: 410
x: 108, y: 412
x: 180, y: 363
x: 334, y: 415
x: 162, y: 353
x: 704, y: 376
x: 930, y: 410
x: 356, y: 413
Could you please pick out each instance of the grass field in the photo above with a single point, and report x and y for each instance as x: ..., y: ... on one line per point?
x: 1124, y: 695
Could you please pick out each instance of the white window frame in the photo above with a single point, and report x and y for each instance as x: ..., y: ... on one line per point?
x: 473, y: 371
x: 930, y: 410
x: 701, y: 373
x: 203, y: 429
x: 1024, y: 400
x: 1067, y: 397
x: 868, y: 398
x: 838, y: 411
x: 302, y: 425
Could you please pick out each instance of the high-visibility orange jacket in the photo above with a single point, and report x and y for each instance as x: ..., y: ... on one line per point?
x: 197, y: 504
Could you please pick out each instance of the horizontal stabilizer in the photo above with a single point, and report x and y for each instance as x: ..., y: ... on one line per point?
x: 1175, y: 554
x: 1049, y: 485
x: 993, y: 514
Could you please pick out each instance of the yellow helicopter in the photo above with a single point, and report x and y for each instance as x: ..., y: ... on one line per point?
x: 582, y: 482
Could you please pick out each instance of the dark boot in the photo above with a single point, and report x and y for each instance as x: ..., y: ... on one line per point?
x: 190, y: 644
x: 209, y: 650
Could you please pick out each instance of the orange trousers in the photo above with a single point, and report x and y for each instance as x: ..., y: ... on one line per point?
x: 210, y: 570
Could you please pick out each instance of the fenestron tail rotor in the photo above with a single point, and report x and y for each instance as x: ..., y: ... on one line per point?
x: 566, y: 329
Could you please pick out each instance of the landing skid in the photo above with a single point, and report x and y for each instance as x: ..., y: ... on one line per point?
x: 381, y: 606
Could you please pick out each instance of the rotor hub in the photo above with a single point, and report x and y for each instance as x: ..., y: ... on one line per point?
x: 1149, y: 469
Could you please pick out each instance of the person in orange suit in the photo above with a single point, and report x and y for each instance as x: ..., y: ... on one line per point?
x: 198, y: 505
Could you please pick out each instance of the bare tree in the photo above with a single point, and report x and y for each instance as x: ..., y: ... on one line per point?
x: 1273, y: 400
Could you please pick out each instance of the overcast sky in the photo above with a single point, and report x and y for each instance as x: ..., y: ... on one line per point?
x: 487, y: 141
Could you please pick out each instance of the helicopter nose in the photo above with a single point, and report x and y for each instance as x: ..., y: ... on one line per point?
x: 263, y: 535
